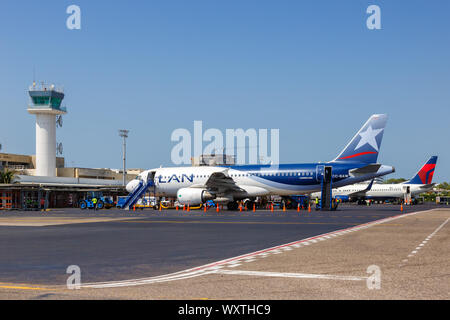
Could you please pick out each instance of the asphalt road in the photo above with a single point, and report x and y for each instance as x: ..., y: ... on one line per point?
x: 152, y: 243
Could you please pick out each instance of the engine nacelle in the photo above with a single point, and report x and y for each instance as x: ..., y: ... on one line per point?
x: 193, y: 196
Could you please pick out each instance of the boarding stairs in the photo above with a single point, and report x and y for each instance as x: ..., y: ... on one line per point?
x: 326, y: 198
x: 137, y: 193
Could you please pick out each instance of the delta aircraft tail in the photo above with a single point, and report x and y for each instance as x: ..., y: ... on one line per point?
x: 425, y: 174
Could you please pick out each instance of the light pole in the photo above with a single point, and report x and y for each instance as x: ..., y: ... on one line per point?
x: 124, y: 135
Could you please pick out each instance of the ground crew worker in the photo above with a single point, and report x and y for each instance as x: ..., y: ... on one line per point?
x: 317, y: 203
x: 94, y: 201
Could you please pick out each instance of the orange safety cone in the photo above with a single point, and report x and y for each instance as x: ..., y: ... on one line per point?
x: 184, y: 207
x: 298, y: 207
x: 188, y: 208
x: 204, y: 208
x: 401, y: 207
x: 217, y: 208
x: 240, y: 207
x: 254, y: 207
x: 309, y: 208
x: 271, y: 207
x: 160, y: 207
x: 176, y: 208
x: 134, y: 208
x: 284, y: 207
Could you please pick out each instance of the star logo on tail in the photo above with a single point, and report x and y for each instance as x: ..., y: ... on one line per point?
x: 368, y: 137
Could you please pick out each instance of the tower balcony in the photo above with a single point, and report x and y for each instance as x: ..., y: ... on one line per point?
x: 46, y: 99
x: 48, y: 109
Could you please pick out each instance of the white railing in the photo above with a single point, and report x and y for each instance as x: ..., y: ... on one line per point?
x: 45, y: 87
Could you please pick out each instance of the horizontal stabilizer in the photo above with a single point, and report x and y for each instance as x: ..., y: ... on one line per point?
x: 371, y: 168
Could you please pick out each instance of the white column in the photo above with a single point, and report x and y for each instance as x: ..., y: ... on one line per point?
x: 46, y: 145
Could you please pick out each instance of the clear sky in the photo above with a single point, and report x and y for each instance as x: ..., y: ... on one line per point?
x: 309, y: 68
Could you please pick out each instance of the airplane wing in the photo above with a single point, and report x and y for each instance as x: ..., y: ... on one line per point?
x: 220, y: 182
x: 362, y: 193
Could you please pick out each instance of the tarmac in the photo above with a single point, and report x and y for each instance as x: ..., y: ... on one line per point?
x: 357, y: 252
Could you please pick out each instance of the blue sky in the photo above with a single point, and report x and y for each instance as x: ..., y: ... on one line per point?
x: 309, y: 68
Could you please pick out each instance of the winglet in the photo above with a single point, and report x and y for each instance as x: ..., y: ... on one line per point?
x: 369, y: 187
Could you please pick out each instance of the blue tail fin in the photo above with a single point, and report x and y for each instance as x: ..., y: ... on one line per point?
x: 365, y: 145
x: 425, y: 174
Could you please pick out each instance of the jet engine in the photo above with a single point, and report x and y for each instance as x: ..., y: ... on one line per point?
x: 193, y: 196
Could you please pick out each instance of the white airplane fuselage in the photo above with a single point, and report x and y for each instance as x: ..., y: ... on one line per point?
x: 254, y: 180
x: 357, y: 162
x: 379, y: 190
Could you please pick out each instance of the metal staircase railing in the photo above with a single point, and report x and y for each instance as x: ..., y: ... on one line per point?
x: 136, y: 194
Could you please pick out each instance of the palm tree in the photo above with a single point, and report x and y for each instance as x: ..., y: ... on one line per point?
x: 6, y: 176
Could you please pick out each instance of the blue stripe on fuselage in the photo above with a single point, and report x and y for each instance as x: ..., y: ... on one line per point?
x: 288, y: 174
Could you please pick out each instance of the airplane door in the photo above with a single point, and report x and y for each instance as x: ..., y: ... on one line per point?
x: 320, y: 169
x: 156, y: 178
x: 151, y: 177
x: 407, y: 194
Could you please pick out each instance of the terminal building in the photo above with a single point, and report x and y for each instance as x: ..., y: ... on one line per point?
x: 65, y: 189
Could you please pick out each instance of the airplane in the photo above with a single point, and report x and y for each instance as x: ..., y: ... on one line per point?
x: 420, y: 183
x: 229, y: 184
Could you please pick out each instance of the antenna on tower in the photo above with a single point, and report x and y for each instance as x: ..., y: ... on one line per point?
x: 59, y: 121
x: 59, y: 148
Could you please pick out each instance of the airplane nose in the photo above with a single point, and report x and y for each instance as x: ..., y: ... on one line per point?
x: 131, y: 185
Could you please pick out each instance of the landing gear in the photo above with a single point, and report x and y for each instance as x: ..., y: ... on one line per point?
x: 249, y: 204
x: 232, y: 205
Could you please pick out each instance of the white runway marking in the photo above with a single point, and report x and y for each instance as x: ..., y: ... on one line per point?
x: 214, y: 267
x: 233, y: 265
x: 420, y: 246
x: 290, y: 275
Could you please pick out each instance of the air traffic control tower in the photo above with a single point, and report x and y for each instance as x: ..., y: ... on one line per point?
x: 46, y: 105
